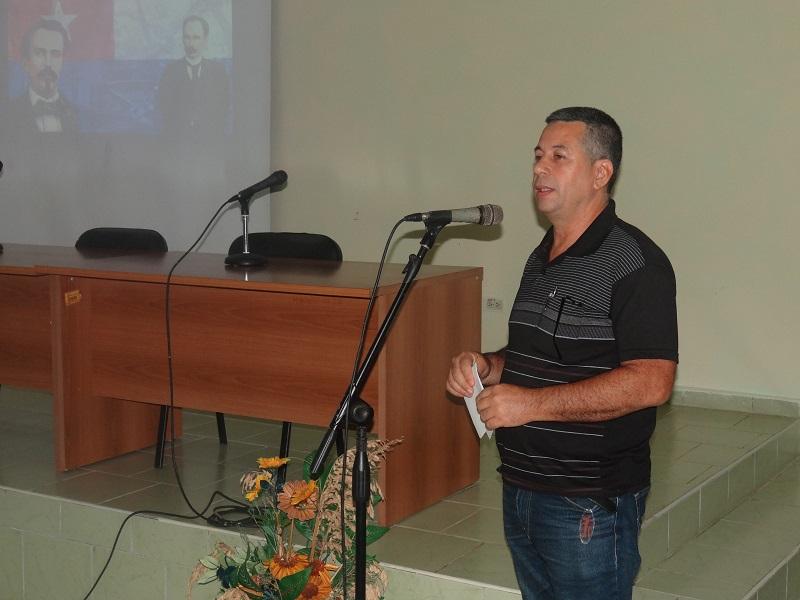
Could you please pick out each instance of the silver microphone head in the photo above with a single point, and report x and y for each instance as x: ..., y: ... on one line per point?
x: 491, y: 214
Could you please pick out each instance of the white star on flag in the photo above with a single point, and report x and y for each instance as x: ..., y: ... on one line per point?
x: 58, y: 15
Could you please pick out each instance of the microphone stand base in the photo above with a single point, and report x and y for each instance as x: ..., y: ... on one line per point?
x: 245, y: 260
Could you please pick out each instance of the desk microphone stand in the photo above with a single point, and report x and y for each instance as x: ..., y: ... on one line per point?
x: 361, y: 413
x: 245, y: 258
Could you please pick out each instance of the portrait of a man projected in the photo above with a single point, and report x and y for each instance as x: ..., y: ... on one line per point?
x: 120, y: 66
x: 42, y: 107
x: 193, y: 92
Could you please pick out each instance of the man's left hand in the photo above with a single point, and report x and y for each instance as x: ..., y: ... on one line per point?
x: 506, y: 405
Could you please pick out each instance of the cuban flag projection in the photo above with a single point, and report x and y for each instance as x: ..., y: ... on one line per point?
x: 116, y: 53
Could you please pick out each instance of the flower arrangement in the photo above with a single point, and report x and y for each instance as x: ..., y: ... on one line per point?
x: 278, y: 568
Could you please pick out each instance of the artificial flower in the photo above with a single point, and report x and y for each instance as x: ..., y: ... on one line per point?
x: 316, y: 589
x: 322, y: 571
x: 254, y: 485
x: 283, y: 566
x: 298, y: 499
x: 273, y: 462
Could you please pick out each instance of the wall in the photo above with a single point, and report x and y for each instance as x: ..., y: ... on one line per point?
x: 380, y: 109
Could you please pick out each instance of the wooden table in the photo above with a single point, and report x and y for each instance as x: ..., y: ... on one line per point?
x: 274, y: 343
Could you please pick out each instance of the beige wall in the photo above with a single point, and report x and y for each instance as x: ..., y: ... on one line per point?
x: 383, y: 108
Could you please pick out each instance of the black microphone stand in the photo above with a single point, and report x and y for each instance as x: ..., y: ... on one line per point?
x: 361, y: 413
x: 245, y: 258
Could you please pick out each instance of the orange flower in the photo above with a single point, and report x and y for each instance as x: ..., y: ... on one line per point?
x: 322, y: 571
x: 316, y: 589
x: 283, y: 566
x: 298, y: 499
x: 272, y: 462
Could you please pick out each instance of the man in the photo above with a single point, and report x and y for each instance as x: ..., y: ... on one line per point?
x: 592, y: 350
x: 42, y: 108
x: 193, y: 94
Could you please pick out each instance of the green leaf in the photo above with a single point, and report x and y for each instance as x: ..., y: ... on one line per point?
x: 375, y: 532
x: 292, y: 585
x: 306, y: 528
x: 210, y: 562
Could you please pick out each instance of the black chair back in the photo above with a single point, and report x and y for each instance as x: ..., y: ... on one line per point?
x: 122, y: 238
x: 282, y: 244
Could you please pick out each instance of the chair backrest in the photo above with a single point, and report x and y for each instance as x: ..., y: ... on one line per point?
x: 283, y: 244
x: 122, y: 238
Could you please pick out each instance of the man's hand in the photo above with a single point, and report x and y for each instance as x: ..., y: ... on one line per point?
x: 460, y: 381
x: 506, y: 405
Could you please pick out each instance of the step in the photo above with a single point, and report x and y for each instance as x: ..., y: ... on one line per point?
x: 735, y: 532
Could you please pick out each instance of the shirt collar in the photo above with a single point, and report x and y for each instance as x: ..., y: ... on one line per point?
x: 590, y: 239
x: 36, y: 97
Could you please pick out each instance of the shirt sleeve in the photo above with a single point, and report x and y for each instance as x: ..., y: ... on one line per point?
x: 644, y: 314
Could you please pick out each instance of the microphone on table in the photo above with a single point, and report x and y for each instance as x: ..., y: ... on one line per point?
x: 247, y: 258
x: 275, y: 179
x: 485, y: 214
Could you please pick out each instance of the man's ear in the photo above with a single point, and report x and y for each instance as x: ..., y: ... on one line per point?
x: 603, y: 170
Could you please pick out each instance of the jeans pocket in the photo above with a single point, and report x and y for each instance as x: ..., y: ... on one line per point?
x: 640, y: 499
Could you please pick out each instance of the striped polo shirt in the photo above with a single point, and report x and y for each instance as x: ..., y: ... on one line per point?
x: 609, y: 298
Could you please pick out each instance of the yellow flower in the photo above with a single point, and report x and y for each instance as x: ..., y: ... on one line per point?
x: 252, y: 493
x: 290, y: 564
x: 298, y: 499
x: 272, y: 462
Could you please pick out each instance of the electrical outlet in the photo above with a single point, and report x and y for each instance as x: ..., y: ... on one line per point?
x: 494, y: 304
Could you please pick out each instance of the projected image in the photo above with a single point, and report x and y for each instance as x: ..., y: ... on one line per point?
x: 159, y: 66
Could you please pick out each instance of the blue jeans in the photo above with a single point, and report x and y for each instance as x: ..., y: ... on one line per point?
x: 567, y: 548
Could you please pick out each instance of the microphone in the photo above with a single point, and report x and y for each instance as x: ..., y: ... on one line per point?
x: 485, y: 214
x: 274, y: 180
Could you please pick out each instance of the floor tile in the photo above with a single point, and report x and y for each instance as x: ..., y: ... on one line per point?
x: 486, y: 525
x: 764, y: 423
x: 784, y: 492
x: 440, y: 516
x: 483, y: 493
x: 489, y: 562
x: 670, y: 448
x: 767, y: 514
x: 714, y: 500
x: 421, y: 549
x: 409, y: 584
x: 688, y: 415
x: 92, y: 487
x: 67, y: 577
x: 775, y: 587
x: 683, y: 472
x: 746, y: 538
x: 239, y: 429
x: 11, y: 565
x: 736, y: 438
x: 686, y: 586
x: 713, y: 565
x: 714, y: 455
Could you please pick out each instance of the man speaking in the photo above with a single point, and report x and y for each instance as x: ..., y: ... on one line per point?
x: 592, y: 350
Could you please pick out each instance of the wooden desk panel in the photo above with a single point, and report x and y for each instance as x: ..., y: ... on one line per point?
x: 251, y: 353
x: 25, y: 331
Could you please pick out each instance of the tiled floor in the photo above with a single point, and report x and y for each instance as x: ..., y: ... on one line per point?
x: 460, y: 536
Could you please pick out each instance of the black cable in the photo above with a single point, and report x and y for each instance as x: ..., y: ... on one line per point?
x: 196, y: 515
